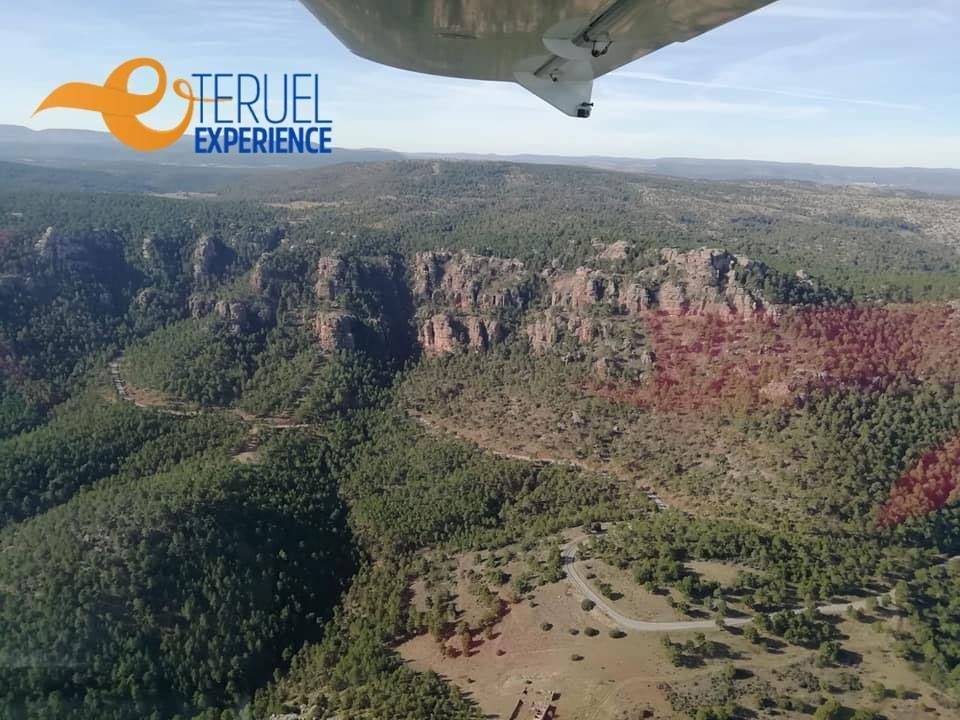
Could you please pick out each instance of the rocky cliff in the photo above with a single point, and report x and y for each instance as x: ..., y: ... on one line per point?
x: 463, y: 301
x: 335, y: 330
x: 461, y: 297
x: 467, y: 282
x: 698, y: 281
x: 444, y: 333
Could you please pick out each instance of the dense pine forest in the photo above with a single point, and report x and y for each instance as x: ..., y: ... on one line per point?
x: 236, y: 430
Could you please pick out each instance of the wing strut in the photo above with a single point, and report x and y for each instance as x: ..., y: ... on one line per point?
x: 565, y: 77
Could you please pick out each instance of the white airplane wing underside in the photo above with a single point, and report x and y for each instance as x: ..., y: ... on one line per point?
x: 554, y: 48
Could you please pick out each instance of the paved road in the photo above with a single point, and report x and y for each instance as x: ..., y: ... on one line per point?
x: 569, y: 555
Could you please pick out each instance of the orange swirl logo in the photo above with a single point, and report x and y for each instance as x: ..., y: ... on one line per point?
x: 119, y: 107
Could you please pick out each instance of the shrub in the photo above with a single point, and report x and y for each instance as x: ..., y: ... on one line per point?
x: 546, y: 627
x: 591, y: 632
x: 617, y: 633
x: 588, y: 605
x: 830, y: 710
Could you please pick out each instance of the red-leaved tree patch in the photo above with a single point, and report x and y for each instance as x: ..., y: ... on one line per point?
x: 707, y: 362
x: 931, y: 484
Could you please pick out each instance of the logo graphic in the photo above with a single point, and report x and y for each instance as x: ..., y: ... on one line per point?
x: 269, y: 115
x: 120, y: 107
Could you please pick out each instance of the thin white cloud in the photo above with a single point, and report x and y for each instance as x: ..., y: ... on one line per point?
x: 623, y: 101
x: 795, y: 94
x: 808, y: 12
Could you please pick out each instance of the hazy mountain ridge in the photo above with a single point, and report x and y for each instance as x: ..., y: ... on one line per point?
x: 941, y: 181
x: 71, y: 148
x: 97, y: 150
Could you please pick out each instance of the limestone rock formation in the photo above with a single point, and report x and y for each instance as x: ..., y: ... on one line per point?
x: 200, y: 305
x: 598, y: 314
x: 329, y: 278
x: 235, y: 315
x: 468, y: 282
x: 53, y: 246
x: 335, y: 330
x: 703, y: 282
x: 47, y: 245
x: 149, y: 251
x: 205, y: 256
x: 444, y: 333
x: 459, y: 295
x: 699, y: 281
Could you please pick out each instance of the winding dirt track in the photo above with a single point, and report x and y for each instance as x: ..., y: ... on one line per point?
x: 129, y: 394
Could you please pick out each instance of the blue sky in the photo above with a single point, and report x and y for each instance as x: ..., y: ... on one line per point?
x: 861, y: 82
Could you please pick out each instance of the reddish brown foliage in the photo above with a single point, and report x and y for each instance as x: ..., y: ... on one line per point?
x: 931, y: 484
x: 709, y: 362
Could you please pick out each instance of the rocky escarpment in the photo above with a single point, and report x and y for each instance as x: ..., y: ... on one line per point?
x: 330, y: 282
x: 597, y: 313
x: 444, y: 333
x: 462, y: 301
x: 206, y: 256
x: 461, y: 298
x: 468, y: 282
x: 76, y: 252
x: 335, y: 330
x: 699, y: 281
x: 242, y: 316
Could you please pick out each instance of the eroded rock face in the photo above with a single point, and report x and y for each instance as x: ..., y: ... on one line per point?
x: 482, y: 333
x: 703, y: 282
x: 582, y: 289
x: 200, y: 305
x: 543, y: 332
x: 205, y: 257
x: 258, y: 279
x: 235, y: 315
x: 459, y: 294
x: 329, y: 278
x: 588, y: 306
x: 468, y: 282
x: 699, y: 281
x: 599, y: 315
x: 444, y: 333
x: 551, y: 327
x: 47, y: 245
x: 54, y: 246
x: 149, y: 251
x: 335, y: 330
x: 441, y: 334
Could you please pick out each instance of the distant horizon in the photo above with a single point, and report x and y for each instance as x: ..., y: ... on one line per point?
x: 507, y: 156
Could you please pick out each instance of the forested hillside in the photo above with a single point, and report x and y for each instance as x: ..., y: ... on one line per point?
x: 244, y: 438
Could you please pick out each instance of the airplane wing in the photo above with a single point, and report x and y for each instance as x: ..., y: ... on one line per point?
x: 554, y: 48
